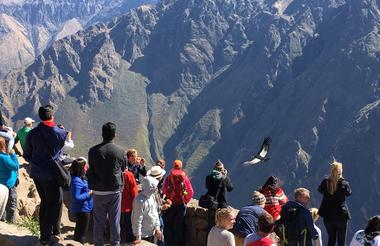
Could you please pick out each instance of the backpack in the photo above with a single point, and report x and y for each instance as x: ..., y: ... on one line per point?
x: 287, y: 227
x: 176, y: 188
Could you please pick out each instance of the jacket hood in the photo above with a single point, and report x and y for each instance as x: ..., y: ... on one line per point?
x: 148, y: 186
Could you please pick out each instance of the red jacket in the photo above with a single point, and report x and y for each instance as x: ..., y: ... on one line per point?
x: 129, y: 193
x: 274, y: 201
x: 265, y: 241
x: 177, y: 187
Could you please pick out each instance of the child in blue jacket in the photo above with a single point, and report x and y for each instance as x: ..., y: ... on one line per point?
x: 81, y: 198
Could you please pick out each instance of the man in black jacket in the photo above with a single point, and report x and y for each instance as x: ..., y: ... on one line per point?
x: 105, y: 177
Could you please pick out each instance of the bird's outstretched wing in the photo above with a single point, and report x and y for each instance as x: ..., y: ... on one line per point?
x: 262, y: 154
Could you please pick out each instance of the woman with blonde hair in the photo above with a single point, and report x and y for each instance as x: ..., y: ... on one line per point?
x: 334, y: 209
x: 219, y: 234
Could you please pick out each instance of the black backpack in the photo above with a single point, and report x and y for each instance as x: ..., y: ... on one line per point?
x: 286, y: 228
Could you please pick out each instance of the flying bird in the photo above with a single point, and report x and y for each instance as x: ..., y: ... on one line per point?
x: 262, y: 154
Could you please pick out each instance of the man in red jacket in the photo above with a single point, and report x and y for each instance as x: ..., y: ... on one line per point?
x: 177, y: 189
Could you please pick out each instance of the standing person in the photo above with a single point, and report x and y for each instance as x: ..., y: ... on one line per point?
x: 136, y: 164
x: 43, y: 144
x: 158, y: 173
x: 218, y: 180
x: 334, y: 209
x: 219, y: 234
x: 261, y: 236
x: 81, y: 198
x: 274, y: 195
x: 105, y: 178
x: 247, y: 218
x: 315, y: 216
x: 295, y: 226
x: 217, y: 185
x: 178, y: 190
x: 129, y: 194
x: 370, y: 236
x: 145, y: 220
x: 23, y: 132
x: 8, y: 176
x: 161, y: 163
x: 65, y: 157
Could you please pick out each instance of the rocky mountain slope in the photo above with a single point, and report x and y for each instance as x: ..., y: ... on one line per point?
x: 205, y: 80
x: 28, y: 26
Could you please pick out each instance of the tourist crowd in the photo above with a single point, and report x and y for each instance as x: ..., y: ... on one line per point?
x: 113, y: 187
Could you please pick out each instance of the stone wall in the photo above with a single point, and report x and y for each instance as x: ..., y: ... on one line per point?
x: 196, y: 225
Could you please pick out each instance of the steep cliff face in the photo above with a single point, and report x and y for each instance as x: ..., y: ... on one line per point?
x: 28, y: 26
x: 207, y: 80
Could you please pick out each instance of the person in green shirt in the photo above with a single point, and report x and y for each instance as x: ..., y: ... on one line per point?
x: 23, y: 132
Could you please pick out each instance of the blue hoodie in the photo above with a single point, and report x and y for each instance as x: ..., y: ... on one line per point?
x: 8, y: 169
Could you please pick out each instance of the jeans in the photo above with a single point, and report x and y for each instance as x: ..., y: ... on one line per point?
x: 9, y: 214
x: 107, y: 205
x: 174, y: 229
x: 336, y: 228
x: 50, y: 208
x: 161, y: 242
x: 126, y: 228
x: 81, y: 226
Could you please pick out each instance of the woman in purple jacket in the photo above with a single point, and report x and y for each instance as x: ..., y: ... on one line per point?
x: 81, y: 198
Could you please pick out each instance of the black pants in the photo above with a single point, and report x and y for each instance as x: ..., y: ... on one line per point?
x: 126, y: 232
x: 174, y: 229
x: 50, y: 209
x: 210, y: 219
x: 336, y: 229
x: 81, y: 226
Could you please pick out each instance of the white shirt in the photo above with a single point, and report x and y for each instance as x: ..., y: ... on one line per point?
x: 220, y: 237
x: 358, y: 239
x: 319, y: 236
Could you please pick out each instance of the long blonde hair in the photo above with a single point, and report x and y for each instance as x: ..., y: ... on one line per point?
x: 335, y: 175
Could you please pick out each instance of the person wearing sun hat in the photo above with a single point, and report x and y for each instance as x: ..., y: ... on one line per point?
x: 177, y: 188
x: 158, y: 173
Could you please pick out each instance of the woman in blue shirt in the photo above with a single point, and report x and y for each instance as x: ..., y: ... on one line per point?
x: 81, y: 198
